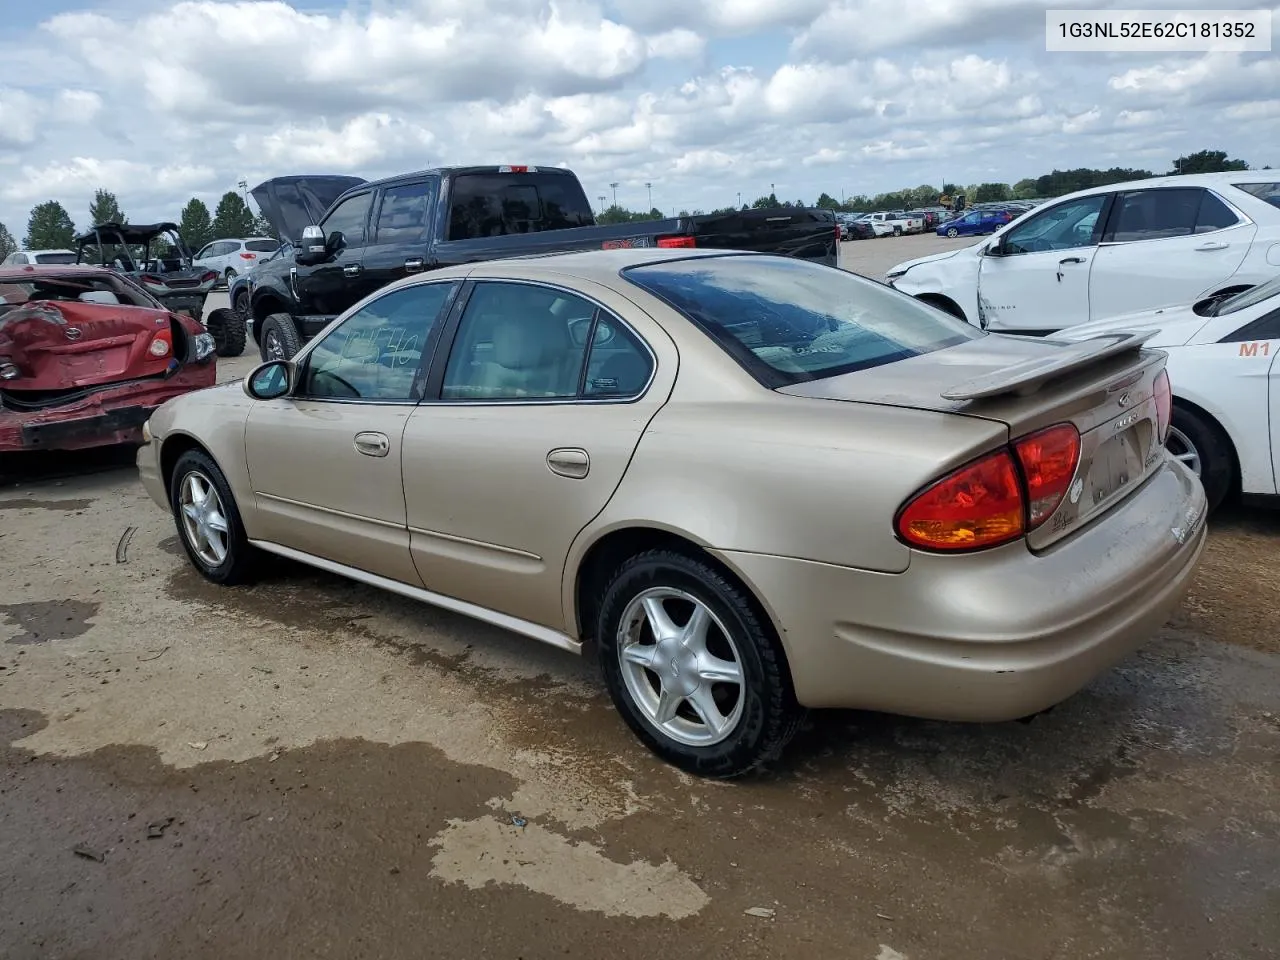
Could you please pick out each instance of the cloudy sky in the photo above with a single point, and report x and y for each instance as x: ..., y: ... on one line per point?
x: 160, y: 101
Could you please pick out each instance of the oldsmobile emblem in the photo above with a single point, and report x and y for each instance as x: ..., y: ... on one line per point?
x: 1124, y: 399
x: 74, y: 333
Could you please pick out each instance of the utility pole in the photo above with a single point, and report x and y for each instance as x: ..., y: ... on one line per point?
x: 739, y: 199
x: 244, y: 191
x: 602, y: 203
x: 649, y: 186
x: 614, y: 187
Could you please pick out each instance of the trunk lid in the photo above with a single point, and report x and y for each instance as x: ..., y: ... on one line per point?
x: 292, y: 203
x: 1105, y: 386
x: 62, y: 347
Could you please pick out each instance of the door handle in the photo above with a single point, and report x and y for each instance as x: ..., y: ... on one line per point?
x: 352, y: 270
x: 571, y: 462
x: 1213, y: 246
x: 372, y: 444
x: 1067, y: 260
x: 414, y: 264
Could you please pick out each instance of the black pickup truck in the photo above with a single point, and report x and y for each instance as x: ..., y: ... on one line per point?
x: 349, y: 237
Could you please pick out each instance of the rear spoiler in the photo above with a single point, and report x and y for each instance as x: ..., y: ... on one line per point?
x: 1029, y: 376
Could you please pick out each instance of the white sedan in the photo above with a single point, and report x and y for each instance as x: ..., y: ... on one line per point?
x: 1226, y: 386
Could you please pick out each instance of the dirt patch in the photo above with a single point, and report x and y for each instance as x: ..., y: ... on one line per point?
x: 43, y: 621
x: 1232, y: 597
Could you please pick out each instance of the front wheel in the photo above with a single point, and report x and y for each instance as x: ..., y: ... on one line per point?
x: 696, y: 672
x: 1201, y: 446
x: 953, y: 232
x: 208, y: 520
x: 280, y: 338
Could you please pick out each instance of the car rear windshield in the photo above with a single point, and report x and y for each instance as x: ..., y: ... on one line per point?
x: 497, y: 204
x: 788, y: 320
x: 55, y: 258
x: 101, y: 289
x: 1270, y: 192
x: 261, y: 246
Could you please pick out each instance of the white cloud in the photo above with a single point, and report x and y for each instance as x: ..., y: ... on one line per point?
x: 702, y: 99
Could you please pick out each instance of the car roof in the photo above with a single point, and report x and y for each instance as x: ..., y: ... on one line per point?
x: 51, y: 269
x: 1220, y: 178
x: 44, y: 250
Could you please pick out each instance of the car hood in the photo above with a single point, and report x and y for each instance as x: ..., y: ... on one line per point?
x: 63, y: 345
x: 1173, y: 326
x: 932, y: 258
x: 292, y: 203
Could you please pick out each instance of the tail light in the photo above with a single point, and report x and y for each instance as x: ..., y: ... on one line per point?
x: 514, y: 168
x: 677, y: 242
x: 248, y: 256
x: 1164, y: 404
x: 148, y: 278
x: 8, y: 369
x: 161, y: 344
x: 207, y: 276
x: 994, y: 500
x: 1049, y: 460
x: 979, y: 505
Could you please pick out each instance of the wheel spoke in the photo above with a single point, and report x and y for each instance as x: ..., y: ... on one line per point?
x: 191, y: 512
x: 218, y: 522
x: 705, y: 705
x: 640, y: 653
x: 659, y: 620
x: 668, y: 703
x: 199, y: 492
x: 714, y: 670
x: 217, y: 545
x: 694, y: 633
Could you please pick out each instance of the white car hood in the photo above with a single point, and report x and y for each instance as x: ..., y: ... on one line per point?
x: 932, y: 258
x: 1176, y: 326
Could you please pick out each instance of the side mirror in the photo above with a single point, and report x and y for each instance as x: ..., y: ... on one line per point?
x: 312, y: 247
x: 995, y: 248
x: 270, y: 381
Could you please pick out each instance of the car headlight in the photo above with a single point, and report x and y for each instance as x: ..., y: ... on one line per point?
x: 205, y: 346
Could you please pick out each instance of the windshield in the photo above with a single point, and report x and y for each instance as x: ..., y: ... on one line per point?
x: 1248, y: 298
x: 55, y: 257
x: 788, y: 320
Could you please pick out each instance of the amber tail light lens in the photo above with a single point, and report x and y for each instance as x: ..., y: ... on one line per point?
x: 994, y: 500
x: 1164, y: 404
x: 1049, y: 460
x: 979, y: 505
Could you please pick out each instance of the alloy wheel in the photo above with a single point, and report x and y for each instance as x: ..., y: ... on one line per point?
x: 1183, y: 450
x: 204, y: 520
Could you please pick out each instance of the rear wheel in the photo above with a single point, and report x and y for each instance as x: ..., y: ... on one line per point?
x: 952, y: 232
x: 1201, y: 446
x: 208, y: 520
x: 897, y: 231
x: 228, y: 331
x: 696, y: 672
x: 229, y: 276
x: 280, y: 338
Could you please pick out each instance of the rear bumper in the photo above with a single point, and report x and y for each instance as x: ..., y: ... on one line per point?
x: 990, y: 636
x: 112, y: 415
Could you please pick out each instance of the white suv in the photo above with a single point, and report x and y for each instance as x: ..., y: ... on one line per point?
x: 228, y: 258
x: 1107, y: 251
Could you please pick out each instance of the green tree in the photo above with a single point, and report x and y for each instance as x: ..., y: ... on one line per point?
x: 924, y: 195
x: 1207, y: 161
x: 8, y: 245
x: 827, y: 202
x: 50, y: 227
x: 614, y: 214
x: 262, y: 227
x: 950, y: 188
x: 992, y: 193
x: 232, y: 217
x: 105, y: 208
x: 857, y: 204
x: 1024, y: 189
x: 195, y: 225
x: 765, y: 203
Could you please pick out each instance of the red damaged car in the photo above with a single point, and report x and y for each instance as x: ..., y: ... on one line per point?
x: 86, y: 355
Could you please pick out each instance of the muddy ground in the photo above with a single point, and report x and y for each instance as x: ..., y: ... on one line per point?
x: 310, y: 768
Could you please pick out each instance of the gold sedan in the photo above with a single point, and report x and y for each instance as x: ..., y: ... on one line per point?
x: 759, y: 484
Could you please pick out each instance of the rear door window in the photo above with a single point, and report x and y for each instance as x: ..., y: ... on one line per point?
x: 498, y: 204
x: 1214, y: 214
x: 788, y: 320
x: 405, y: 212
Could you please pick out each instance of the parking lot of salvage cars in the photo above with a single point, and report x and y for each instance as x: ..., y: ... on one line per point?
x: 312, y: 765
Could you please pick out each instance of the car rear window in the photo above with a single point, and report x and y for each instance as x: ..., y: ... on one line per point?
x: 788, y: 320
x: 37, y: 288
x: 262, y: 246
x: 497, y: 204
x: 1270, y: 192
x: 55, y: 258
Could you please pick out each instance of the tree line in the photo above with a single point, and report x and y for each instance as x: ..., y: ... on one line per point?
x: 50, y: 226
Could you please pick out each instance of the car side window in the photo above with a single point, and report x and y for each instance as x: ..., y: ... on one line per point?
x: 205, y: 251
x: 1214, y: 214
x: 349, y: 217
x: 618, y: 365
x: 1266, y: 327
x: 1154, y: 215
x: 376, y: 352
x: 1067, y: 225
x: 405, y: 212
x: 519, y: 341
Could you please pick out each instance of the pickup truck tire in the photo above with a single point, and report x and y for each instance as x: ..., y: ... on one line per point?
x: 228, y: 331
x: 897, y: 231
x: 280, y: 338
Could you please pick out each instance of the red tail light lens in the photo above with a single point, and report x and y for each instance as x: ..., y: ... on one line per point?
x: 1164, y: 404
x: 677, y: 242
x: 148, y: 278
x: 248, y: 256
x: 1049, y: 459
x: 207, y: 276
x: 161, y: 344
x: 979, y: 505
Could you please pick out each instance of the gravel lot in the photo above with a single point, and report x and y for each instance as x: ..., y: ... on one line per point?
x: 310, y: 768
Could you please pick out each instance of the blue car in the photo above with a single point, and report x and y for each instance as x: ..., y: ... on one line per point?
x: 975, y: 222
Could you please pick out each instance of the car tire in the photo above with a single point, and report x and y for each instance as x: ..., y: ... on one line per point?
x: 228, y: 331
x: 953, y: 232
x: 280, y: 339
x: 224, y: 557
x: 762, y: 713
x: 897, y: 231
x: 1202, y: 446
x: 229, y: 276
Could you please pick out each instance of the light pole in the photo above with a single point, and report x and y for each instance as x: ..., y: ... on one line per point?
x: 739, y: 199
x: 614, y: 186
x: 602, y: 203
x: 649, y: 186
x: 244, y: 191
